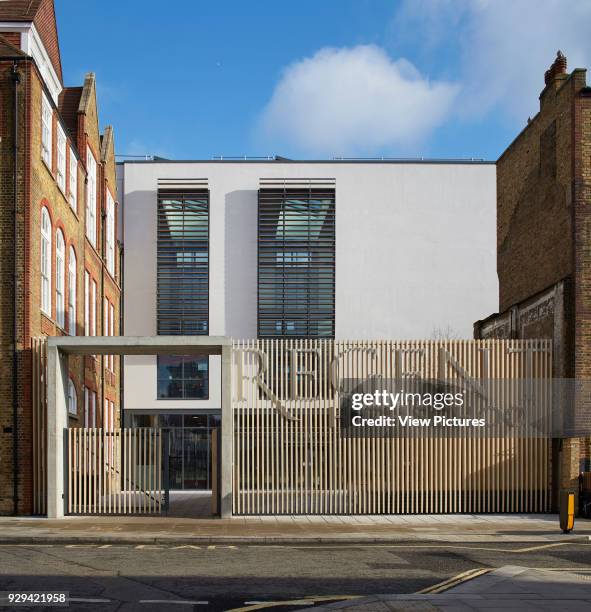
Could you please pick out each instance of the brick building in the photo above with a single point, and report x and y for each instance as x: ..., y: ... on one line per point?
x: 543, y: 240
x: 59, y: 253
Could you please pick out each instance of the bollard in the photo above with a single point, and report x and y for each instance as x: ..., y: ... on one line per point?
x: 567, y: 510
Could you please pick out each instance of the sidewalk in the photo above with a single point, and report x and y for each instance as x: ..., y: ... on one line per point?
x: 506, y: 588
x: 290, y: 529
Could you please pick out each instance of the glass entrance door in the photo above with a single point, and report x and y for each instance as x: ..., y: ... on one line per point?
x: 196, y: 459
x: 175, y: 461
x: 189, y: 456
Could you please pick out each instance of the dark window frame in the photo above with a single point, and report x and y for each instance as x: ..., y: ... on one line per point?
x: 165, y: 313
x: 308, y: 265
x: 194, y: 244
x: 183, y: 380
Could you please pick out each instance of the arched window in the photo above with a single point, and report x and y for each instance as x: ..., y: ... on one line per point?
x: 72, y: 279
x: 60, y: 275
x: 45, y: 262
x: 72, y: 398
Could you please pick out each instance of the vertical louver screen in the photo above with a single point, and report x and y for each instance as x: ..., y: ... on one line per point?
x: 183, y: 261
x: 296, y: 262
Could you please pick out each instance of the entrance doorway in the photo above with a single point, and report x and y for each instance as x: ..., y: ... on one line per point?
x: 190, y: 446
x: 191, y: 458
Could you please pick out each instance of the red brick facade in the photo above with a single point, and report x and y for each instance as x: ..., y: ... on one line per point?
x: 38, y: 188
x: 544, y: 241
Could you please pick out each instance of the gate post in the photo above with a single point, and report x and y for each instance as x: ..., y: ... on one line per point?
x: 57, y: 384
x: 165, y: 433
x: 226, y: 450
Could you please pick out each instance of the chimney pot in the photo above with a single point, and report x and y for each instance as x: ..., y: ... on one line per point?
x: 560, y: 63
x: 548, y: 76
x: 558, y: 67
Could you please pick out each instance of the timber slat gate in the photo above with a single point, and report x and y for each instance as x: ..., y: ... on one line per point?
x: 304, y: 465
x: 115, y: 472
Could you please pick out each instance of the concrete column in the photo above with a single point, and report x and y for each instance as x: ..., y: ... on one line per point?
x: 226, y: 450
x: 57, y: 422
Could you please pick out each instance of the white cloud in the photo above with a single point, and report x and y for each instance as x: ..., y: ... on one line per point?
x: 502, y: 47
x: 354, y: 101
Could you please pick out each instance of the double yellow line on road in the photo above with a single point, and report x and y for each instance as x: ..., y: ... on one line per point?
x: 307, y: 601
x: 440, y: 587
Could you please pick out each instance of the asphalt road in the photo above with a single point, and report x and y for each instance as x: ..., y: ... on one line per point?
x: 150, y: 578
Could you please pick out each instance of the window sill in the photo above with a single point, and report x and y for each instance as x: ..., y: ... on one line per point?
x: 182, y: 399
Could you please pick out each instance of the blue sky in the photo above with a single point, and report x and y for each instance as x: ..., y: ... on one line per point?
x: 316, y: 79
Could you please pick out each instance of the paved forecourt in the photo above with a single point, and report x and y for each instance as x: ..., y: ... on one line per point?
x: 288, y: 529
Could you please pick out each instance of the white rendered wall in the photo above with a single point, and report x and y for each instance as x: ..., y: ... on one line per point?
x: 415, y: 252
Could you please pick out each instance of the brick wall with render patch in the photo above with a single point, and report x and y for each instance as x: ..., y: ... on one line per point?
x: 544, y: 242
x: 534, y: 218
x: 582, y: 243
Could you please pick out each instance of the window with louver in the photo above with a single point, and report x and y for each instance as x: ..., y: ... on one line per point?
x: 183, y: 262
x: 296, y: 262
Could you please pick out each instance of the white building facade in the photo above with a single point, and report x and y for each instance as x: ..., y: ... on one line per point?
x: 277, y: 248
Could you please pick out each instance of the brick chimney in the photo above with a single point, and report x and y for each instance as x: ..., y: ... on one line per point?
x: 554, y: 77
x: 558, y: 67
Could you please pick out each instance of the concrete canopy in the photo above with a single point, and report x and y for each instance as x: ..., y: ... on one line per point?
x: 58, y: 350
x: 139, y: 345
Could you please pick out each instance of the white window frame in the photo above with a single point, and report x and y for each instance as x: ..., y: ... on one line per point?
x: 60, y: 279
x: 91, y: 197
x: 72, y: 281
x: 105, y: 317
x: 61, y: 159
x: 89, y: 408
x: 46, y: 130
x: 46, y: 236
x: 106, y: 326
x: 86, y: 303
x: 72, y: 398
x: 110, y: 234
x: 73, y: 187
x: 109, y: 425
x: 112, y: 332
x: 93, y: 309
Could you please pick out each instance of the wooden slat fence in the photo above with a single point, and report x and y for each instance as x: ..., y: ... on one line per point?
x: 114, y: 472
x: 293, y: 459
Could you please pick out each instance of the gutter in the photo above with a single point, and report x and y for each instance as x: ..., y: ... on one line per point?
x: 16, y: 78
x: 121, y: 330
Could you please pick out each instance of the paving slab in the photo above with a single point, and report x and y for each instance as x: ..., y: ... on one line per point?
x: 506, y: 588
x: 289, y: 530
